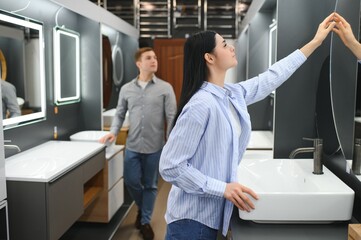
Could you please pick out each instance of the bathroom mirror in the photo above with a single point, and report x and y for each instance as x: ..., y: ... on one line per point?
x: 272, y: 43
x: 22, y: 65
x: 66, y: 66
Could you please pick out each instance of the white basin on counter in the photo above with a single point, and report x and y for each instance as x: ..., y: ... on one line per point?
x: 290, y: 193
x: 349, y: 168
x: 109, y: 115
x: 260, y: 140
x: 90, y: 136
x: 49, y: 160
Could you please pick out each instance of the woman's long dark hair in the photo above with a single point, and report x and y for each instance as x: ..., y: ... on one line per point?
x: 194, y: 67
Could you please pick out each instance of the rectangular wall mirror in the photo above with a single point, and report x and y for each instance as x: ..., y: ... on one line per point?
x: 66, y: 66
x: 22, y: 68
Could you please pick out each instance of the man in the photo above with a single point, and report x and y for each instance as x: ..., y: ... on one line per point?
x: 9, y: 100
x: 150, y: 101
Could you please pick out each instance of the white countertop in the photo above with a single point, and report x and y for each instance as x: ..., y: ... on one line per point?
x: 49, y: 160
x: 112, y: 150
x: 262, y: 140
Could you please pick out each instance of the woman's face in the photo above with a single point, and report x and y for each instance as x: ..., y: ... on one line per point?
x: 224, y: 53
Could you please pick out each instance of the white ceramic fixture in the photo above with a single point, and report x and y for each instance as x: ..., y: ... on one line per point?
x: 89, y: 136
x: 290, y: 193
x: 49, y: 160
x: 349, y: 168
x: 261, y: 140
x: 109, y: 115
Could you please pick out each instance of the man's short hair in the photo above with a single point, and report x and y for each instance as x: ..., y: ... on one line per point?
x: 140, y: 51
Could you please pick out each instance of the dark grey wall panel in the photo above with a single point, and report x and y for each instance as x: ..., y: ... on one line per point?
x: 258, y: 63
x: 242, y: 55
x: 343, y: 80
x: 296, y: 98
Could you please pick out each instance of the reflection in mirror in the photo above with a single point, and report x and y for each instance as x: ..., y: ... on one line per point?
x: 22, y: 65
x: 272, y: 57
x: 66, y: 66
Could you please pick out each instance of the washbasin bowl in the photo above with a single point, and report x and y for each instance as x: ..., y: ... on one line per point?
x: 290, y: 193
x: 49, y: 160
x: 109, y: 115
x: 90, y: 136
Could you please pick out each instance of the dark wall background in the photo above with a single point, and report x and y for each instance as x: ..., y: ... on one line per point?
x: 87, y: 114
x: 295, y: 102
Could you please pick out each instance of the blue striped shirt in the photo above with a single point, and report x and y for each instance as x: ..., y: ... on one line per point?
x: 203, y: 150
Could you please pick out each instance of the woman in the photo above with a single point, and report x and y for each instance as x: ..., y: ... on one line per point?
x: 344, y: 31
x: 211, y: 133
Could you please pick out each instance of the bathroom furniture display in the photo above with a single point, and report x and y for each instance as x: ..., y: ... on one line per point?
x: 187, y: 14
x: 50, y: 186
x: 153, y: 18
x: 112, y: 195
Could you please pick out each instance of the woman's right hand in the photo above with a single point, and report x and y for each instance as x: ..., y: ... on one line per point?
x: 110, y: 137
x: 344, y: 31
x: 239, y: 196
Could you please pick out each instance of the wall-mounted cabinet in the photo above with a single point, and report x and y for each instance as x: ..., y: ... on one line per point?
x: 153, y: 18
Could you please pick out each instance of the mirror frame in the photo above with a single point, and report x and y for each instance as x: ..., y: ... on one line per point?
x: 58, y: 99
x: 36, y: 25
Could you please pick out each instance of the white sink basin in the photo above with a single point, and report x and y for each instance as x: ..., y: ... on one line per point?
x: 290, y: 193
x: 47, y: 161
x: 90, y: 136
x: 109, y: 115
x: 349, y: 168
x: 261, y: 140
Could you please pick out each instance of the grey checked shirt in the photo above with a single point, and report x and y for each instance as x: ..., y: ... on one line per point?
x: 148, y: 110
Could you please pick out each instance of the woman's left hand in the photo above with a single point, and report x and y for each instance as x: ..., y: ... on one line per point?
x: 324, y: 28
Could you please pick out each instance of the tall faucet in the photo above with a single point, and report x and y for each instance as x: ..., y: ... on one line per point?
x: 7, y: 146
x: 12, y: 147
x: 317, y: 154
x: 356, y: 161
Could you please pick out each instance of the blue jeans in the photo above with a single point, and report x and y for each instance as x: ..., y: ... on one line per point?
x: 141, y: 179
x: 187, y: 229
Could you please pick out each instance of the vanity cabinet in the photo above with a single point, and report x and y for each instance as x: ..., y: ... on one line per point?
x: 45, y: 210
x: 112, y: 195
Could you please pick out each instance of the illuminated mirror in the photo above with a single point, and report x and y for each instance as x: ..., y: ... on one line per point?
x: 22, y: 68
x: 66, y: 66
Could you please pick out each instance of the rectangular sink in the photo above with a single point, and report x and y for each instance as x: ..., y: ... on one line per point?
x: 290, y: 193
x: 49, y: 160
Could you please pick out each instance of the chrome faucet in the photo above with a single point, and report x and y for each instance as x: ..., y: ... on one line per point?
x: 356, y: 161
x: 317, y: 154
x: 12, y: 147
x: 7, y: 146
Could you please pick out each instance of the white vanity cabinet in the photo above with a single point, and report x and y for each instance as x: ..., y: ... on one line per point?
x: 112, y: 196
x: 44, y: 204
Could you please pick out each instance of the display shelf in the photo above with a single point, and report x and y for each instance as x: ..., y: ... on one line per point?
x: 153, y: 18
x: 124, y: 9
x: 187, y: 13
x: 222, y: 17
